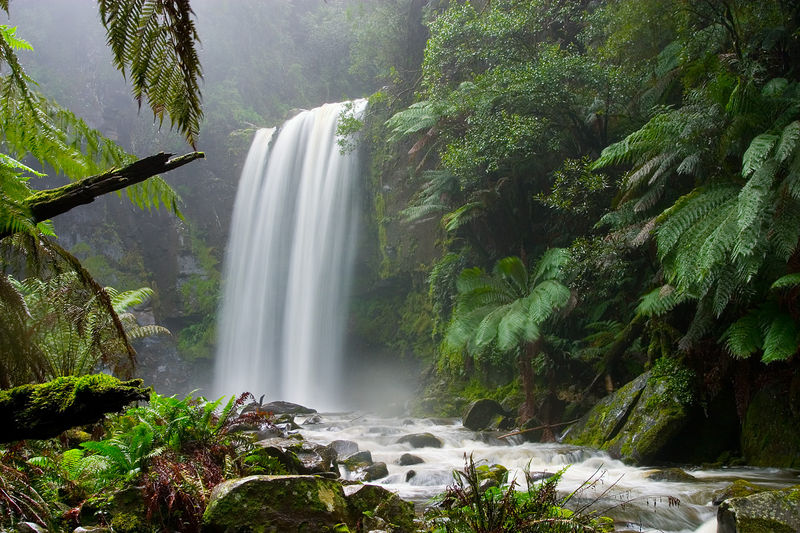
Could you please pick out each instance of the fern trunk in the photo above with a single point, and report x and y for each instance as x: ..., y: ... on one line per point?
x: 528, y: 408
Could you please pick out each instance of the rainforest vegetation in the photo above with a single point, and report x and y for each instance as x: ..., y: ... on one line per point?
x: 557, y: 198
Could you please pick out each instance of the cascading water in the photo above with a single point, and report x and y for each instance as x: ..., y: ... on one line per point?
x: 289, y: 262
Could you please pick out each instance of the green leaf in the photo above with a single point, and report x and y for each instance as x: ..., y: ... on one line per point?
x: 757, y: 153
x: 787, y: 281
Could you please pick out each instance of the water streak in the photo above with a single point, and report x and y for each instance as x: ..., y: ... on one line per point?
x: 289, y: 262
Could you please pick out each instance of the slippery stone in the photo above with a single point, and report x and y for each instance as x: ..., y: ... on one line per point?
x: 777, y: 511
x: 286, y: 408
x: 637, y: 424
x: 368, y: 501
x: 408, y: 459
x: 483, y: 414
x: 285, y: 504
x: 421, y: 440
x: 605, y: 420
x: 344, y: 447
x: 375, y: 471
x: 670, y: 474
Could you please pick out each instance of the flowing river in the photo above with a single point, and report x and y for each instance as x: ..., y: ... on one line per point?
x: 614, y: 489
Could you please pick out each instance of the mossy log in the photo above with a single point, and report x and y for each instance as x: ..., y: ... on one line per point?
x: 52, y: 202
x: 44, y: 411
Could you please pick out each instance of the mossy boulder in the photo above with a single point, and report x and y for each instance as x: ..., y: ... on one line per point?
x: 655, y: 420
x: 638, y: 423
x: 771, y: 428
x: 367, y: 501
x: 605, y: 420
x: 421, y: 440
x: 738, y: 489
x: 670, y: 474
x: 276, y: 504
x: 484, y: 414
x: 777, y: 511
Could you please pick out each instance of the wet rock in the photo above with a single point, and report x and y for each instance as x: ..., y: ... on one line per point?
x: 281, y: 407
x: 411, y: 474
x: 421, y: 440
x: 358, y: 460
x: 777, y: 511
x: 312, y: 420
x: 497, y: 473
x: 483, y: 414
x: 638, y: 423
x: 606, y: 419
x: 408, y: 459
x: 771, y: 429
x: 344, y: 447
x: 738, y: 489
x: 539, y: 476
x: 289, y: 504
x: 670, y: 474
x: 376, y: 501
x: 375, y: 471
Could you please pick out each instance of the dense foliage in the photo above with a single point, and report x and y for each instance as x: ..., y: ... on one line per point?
x: 655, y: 141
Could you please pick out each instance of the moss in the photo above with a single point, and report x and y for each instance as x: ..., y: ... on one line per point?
x: 129, y: 523
x: 771, y: 429
x: 45, y: 410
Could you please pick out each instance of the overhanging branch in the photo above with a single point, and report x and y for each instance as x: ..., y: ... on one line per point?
x: 52, y: 202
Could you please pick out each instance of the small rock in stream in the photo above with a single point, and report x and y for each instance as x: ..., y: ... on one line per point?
x: 421, y: 440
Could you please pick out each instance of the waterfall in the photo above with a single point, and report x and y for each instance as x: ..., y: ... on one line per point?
x: 288, y: 267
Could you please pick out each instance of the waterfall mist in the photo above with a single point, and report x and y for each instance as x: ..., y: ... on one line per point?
x: 288, y: 267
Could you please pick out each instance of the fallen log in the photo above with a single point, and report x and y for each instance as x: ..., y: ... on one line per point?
x: 42, y: 411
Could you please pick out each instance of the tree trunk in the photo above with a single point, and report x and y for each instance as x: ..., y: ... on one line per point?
x: 47, y: 204
x: 528, y: 408
x: 44, y: 411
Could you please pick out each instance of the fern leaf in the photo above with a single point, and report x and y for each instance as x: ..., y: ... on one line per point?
x: 744, y: 336
x: 789, y: 141
x: 781, y: 339
x: 757, y: 153
x: 787, y: 281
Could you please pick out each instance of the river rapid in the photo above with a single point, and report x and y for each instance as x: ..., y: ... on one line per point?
x: 623, y: 492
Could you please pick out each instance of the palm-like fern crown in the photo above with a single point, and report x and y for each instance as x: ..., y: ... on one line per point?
x: 507, y: 307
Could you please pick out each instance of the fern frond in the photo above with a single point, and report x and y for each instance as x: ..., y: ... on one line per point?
x: 789, y: 142
x: 458, y: 218
x: 780, y: 339
x: 787, y: 281
x: 419, y: 116
x: 153, y: 41
x: 744, y: 337
x: 660, y: 301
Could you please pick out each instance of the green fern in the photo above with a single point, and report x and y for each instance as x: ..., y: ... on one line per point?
x: 153, y: 43
x: 419, y: 116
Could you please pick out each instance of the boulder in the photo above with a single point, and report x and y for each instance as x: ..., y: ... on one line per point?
x: 737, y: 489
x: 408, y: 459
x: 286, y: 408
x: 373, y: 501
x: 375, y: 471
x: 286, y: 504
x: 358, y: 460
x: 606, y: 419
x: 638, y: 424
x: 483, y: 414
x: 669, y: 474
x: 777, y: 511
x: 771, y: 427
x: 421, y: 440
x: 344, y: 447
